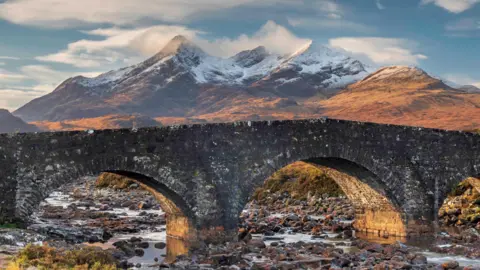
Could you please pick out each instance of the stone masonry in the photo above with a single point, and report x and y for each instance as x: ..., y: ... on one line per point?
x: 206, y: 173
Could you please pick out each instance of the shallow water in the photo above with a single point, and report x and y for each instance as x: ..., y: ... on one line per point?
x: 175, y: 247
x: 433, y: 257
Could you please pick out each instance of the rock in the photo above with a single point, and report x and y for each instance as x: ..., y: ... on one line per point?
x: 143, y: 245
x: 374, y: 248
x: 133, y: 186
x: 160, y: 245
x: 144, y: 205
x: 125, y: 247
x: 400, y: 265
x: 256, y: 243
x: 347, y: 234
x: 450, y: 265
x: 223, y: 259
x: 139, y: 252
x: 104, y: 207
x: 138, y: 265
x: 419, y: 260
x: 341, y: 262
x: 93, y: 239
x: 134, y: 239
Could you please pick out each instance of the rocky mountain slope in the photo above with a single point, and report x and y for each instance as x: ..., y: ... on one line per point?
x: 182, y: 80
x: 405, y: 96
x: 10, y: 123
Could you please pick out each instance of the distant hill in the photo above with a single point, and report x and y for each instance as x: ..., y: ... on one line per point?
x: 405, y: 96
x: 10, y: 123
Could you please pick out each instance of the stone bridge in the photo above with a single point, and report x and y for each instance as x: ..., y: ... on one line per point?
x: 396, y: 176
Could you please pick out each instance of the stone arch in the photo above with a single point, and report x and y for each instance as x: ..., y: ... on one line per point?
x: 377, y: 209
x: 180, y: 219
x: 40, y: 179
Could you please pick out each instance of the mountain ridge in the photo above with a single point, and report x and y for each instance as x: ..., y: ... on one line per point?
x: 170, y: 82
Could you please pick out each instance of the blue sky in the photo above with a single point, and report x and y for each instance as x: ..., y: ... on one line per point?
x: 43, y: 42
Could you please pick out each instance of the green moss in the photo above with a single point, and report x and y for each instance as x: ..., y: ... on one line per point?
x: 45, y: 257
x: 460, y: 189
x: 298, y: 179
x: 9, y: 226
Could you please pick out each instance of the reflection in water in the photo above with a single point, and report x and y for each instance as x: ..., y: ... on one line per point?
x: 376, y: 238
x: 174, y: 247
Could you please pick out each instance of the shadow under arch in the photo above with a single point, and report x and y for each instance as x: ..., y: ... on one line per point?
x: 180, y: 219
x: 377, y: 210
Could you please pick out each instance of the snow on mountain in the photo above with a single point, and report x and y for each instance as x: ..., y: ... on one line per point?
x: 384, y: 73
x: 243, y: 67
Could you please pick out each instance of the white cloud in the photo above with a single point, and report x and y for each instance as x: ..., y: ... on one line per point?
x: 7, y: 76
x: 382, y: 51
x: 462, y: 79
x: 48, y: 76
x: 465, y: 24
x: 117, y: 47
x: 128, y: 46
x: 45, y: 80
x: 12, y: 98
x: 454, y: 6
x: 71, y: 13
x: 274, y: 37
x: 329, y: 8
x: 379, y: 5
x: 340, y: 24
x: 9, y: 58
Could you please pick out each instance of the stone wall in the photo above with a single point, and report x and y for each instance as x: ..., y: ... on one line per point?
x: 209, y: 171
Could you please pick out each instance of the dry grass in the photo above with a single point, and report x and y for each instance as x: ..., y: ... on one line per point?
x: 419, y: 102
x: 111, y: 180
x: 299, y: 179
x: 406, y: 105
x: 49, y: 258
x: 103, y: 122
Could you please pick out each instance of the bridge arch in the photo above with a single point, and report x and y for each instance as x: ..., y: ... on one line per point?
x: 377, y: 210
x: 41, y: 179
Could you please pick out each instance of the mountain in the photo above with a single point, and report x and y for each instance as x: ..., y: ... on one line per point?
x: 406, y: 96
x: 181, y: 80
x: 470, y: 89
x: 102, y: 122
x: 10, y: 123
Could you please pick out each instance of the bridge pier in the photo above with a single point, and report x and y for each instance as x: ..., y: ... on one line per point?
x: 381, y: 222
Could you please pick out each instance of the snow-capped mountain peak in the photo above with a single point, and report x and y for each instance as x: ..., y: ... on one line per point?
x: 397, y: 72
x: 180, y: 44
x: 313, y: 66
x: 249, y: 58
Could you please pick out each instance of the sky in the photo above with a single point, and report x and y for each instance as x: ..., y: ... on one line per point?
x: 44, y: 42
